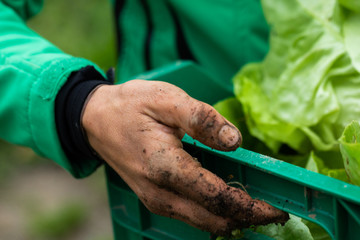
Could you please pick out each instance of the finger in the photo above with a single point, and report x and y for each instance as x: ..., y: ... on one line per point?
x: 169, y: 204
x: 174, y: 169
x: 177, y: 109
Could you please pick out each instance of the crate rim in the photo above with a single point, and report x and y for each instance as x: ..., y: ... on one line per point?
x: 287, y: 171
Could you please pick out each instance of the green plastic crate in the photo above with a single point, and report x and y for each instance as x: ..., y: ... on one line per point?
x: 331, y: 203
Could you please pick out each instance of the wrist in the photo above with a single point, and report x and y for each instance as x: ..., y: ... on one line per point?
x: 69, y: 107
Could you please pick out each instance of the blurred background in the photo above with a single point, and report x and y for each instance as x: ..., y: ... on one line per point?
x: 38, y: 199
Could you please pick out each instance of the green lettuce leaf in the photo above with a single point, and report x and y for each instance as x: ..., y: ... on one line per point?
x: 350, y: 150
x: 231, y: 108
x: 304, y: 92
x: 293, y: 229
x: 317, y: 232
x: 316, y: 164
x: 353, y: 5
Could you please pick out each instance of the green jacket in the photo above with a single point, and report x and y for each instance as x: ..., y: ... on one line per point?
x: 220, y: 36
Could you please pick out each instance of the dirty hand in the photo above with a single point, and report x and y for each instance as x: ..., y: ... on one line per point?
x: 136, y: 127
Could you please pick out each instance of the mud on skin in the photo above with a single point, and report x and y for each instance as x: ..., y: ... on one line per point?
x: 217, y: 197
x: 238, y: 205
x: 240, y: 216
x: 214, y: 131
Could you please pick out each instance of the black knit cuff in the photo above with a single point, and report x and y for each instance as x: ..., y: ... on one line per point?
x: 69, y: 105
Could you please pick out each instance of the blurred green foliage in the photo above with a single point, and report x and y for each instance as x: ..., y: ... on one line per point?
x: 13, y: 157
x: 59, y: 223
x: 80, y: 27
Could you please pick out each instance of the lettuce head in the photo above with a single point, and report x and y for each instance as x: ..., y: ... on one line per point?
x: 307, y: 89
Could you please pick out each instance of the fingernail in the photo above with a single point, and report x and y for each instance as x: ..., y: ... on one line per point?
x: 229, y: 136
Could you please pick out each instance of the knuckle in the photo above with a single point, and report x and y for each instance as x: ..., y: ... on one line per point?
x: 159, y: 166
x: 159, y: 176
x: 130, y: 85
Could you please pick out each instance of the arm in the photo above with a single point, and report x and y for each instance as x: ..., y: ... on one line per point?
x: 32, y: 71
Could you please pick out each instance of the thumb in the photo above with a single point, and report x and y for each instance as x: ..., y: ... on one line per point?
x: 177, y: 109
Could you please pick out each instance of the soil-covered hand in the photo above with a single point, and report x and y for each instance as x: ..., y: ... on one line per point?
x: 136, y: 127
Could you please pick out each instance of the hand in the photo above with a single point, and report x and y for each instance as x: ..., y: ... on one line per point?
x: 137, y: 127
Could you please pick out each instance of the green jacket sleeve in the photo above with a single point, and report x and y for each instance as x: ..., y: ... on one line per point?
x: 32, y: 71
